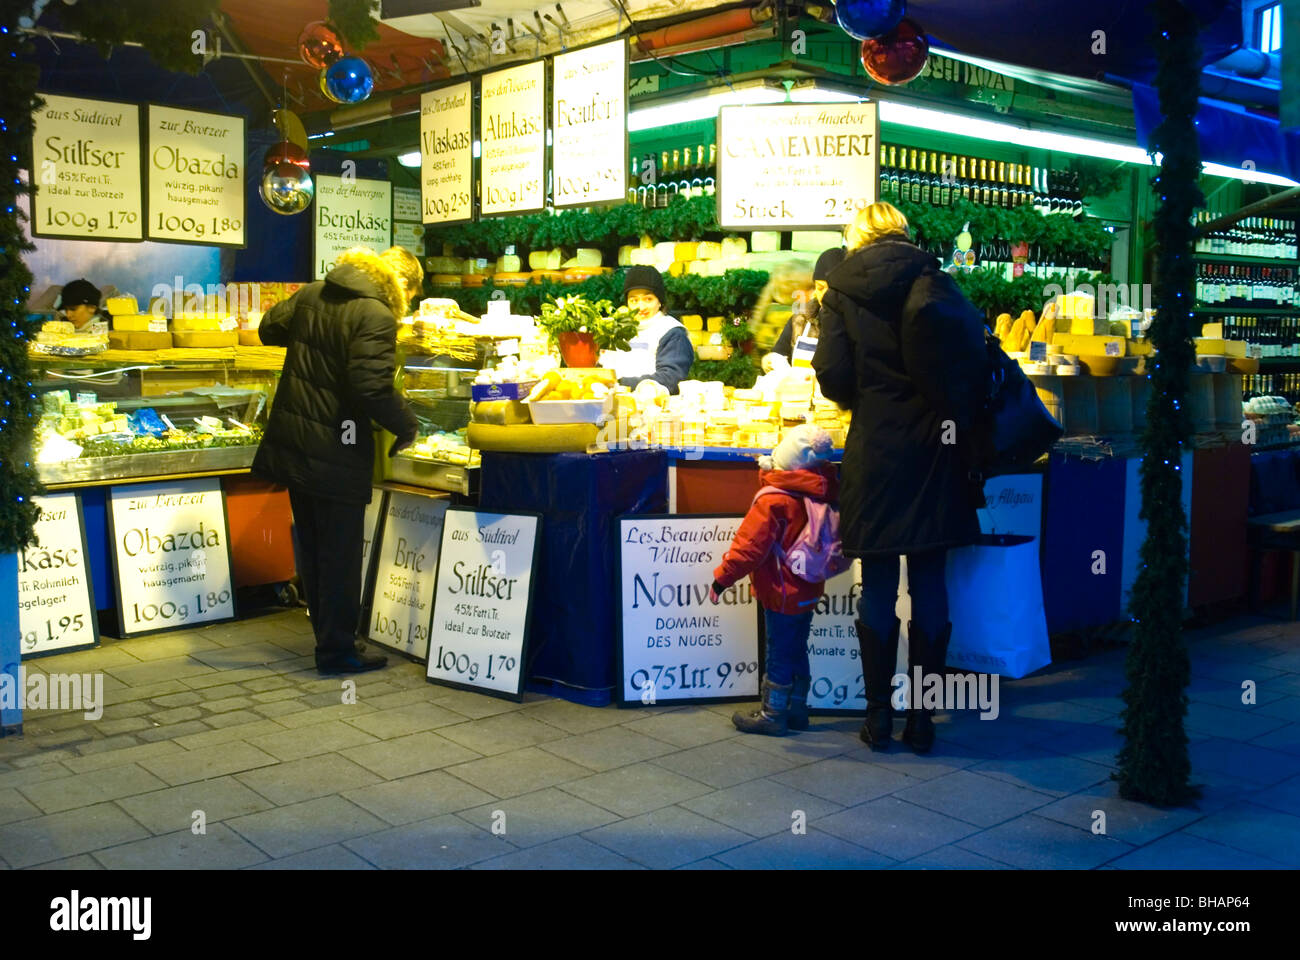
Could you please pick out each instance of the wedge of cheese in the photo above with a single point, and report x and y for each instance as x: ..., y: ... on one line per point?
x: 586, y: 257
x: 1213, y: 330
x: 713, y: 325
x: 121, y: 306
x: 546, y: 259
x: 136, y: 322
x: 734, y: 247
x: 625, y: 256
x: 508, y: 263
x: 643, y: 257
x: 1217, y: 347
x: 708, y: 250
x: 765, y: 241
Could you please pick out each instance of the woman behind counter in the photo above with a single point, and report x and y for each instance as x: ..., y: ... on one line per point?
x: 79, y: 305
x: 803, y: 322
x: 661, y: 351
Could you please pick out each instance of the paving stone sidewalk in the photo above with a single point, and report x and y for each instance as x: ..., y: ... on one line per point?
x: 232, y: 723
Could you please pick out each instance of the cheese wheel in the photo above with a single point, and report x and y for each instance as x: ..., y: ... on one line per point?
x: 139, y: 340
x: 249, y: 338
x: 205, y: 338
x: 194, y: 324
x: 709, y: 250
x: 58, y: 328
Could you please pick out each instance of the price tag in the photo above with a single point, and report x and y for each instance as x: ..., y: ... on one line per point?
x: 158, y: 325
x: 802, y: 354
x: 86, y: 400
x: 1038, y: 350
x: 1112, y: 349
x: 229, y: 323
x: 1254, y: 350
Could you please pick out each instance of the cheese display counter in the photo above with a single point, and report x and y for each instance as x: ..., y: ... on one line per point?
x: 103, y: 420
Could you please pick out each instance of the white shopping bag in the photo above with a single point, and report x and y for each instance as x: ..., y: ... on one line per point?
x: 995, y: 605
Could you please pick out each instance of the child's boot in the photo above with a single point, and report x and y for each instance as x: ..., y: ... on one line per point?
x: 771, y: 717
x: 879, y: 655
x: 798, y: 716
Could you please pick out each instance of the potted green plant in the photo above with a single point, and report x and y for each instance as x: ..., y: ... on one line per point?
x: 581, y: 328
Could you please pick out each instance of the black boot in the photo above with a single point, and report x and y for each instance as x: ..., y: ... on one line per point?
x: 770, y: 718
x: 879, y: 655
x: 349, y: 661
x: 798, y: 716
x: 931, y: 655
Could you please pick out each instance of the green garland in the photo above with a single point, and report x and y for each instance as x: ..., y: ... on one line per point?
x: 351, y: 18
x: 735, y: 292
x: 740, y: 370
x: 993, y: 293
x: 18, y: 480
x: 167, y: 39
x: 1061, y: 239
x: 1153, y: 763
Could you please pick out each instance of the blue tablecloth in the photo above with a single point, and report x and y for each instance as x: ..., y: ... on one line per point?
x: 573, y: 652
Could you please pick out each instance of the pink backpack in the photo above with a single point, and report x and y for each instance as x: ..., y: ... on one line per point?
x: 816, y: 554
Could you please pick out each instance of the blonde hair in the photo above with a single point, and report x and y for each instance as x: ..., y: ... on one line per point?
x: 873, y: 222
x: 380, y: 269
x: 407, y: 266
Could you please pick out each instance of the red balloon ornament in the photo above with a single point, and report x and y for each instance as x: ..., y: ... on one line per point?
x: 319, y: 45
x: 898, y: 56
x: 286, y: 151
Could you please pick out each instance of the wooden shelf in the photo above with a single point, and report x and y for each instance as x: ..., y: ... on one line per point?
x: 1246, y: 260
x: 1251, y: 311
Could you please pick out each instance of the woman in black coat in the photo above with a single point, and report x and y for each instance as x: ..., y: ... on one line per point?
x: 903, y: 348
x: 341, y: 335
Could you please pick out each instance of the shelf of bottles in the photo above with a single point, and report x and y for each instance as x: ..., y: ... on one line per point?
x: 934, y: 178
x: 1285, y: 385
x: 656, y: 181
x: 1246, y: 279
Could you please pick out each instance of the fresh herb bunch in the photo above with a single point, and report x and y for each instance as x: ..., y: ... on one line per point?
x: 611, y: 327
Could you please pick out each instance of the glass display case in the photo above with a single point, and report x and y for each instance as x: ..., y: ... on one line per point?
x: 437, y: 387
x: 103, y: 421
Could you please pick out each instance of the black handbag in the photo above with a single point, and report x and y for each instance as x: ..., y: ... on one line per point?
x: 1014, y: 428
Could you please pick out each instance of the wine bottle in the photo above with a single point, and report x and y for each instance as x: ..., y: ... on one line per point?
x: 914, y: 181
x: 697, y: 173
x: 945, y: 181
x: 927, y: 184
x: 711, y: 171
x: 661, y: 181
x: 983, y: 182
x: 963, y: 181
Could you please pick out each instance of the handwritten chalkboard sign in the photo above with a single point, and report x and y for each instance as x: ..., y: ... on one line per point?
x: 484, y: 598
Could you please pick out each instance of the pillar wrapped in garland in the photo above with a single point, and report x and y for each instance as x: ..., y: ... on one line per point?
x: 1153, y: 763
x: 18, y: 481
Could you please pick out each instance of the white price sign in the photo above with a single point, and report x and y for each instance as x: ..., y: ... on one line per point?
x: 406, y: 568
x: 86, y: 170
x: 513, y: 119
x: 479, y: 637
x: 56, y: 602
x: 406, y: 203
x: 677, y: 646
x: 446, y: 154
x: 196, y: 177
x: 369, y: 534
x: 350, y: 213
x: 796, y: 166
x: 171, y: 555
x: 833, y: 654
x: 589, y: 107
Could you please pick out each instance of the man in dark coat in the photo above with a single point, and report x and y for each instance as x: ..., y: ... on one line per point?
x: 338, y: 376
x: 903, y: 349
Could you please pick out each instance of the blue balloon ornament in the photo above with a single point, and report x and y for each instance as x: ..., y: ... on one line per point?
x: 349, y: 80
x: 869, y: 18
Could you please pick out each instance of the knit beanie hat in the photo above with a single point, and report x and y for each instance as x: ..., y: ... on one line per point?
x: 800, y: 448
x: 828, y: 261
x: 78, y: 292
x: 642, y: 277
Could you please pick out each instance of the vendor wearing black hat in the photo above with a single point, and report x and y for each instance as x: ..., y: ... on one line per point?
x: 661, y: 351
x: 803, y: 321
x: 79, y: 304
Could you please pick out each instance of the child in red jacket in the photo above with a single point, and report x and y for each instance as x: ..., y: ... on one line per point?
x: 797, y: 465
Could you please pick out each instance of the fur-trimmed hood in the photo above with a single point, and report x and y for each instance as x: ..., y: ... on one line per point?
x: 365, y: 273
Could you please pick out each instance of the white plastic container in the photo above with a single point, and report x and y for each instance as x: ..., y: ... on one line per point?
x: 570, y: 411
